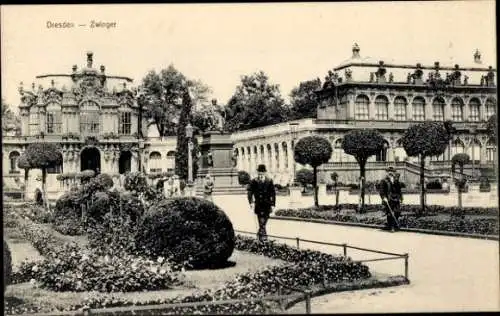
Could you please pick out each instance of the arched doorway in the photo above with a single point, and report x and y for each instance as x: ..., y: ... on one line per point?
x: 90, y: 159
x: 382, y: 155
x: 125, y: 162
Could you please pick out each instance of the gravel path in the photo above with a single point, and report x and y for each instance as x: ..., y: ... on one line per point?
x: 446, y: 273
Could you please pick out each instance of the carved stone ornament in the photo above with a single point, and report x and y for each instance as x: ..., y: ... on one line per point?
x: 91, y: 141
x: 52, y: 95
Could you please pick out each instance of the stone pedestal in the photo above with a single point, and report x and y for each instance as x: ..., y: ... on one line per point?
x: 322, y: 196
x: 224, y: 174
x: 295, y: 197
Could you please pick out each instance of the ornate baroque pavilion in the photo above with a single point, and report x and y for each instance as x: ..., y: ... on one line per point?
x: 94, y: 116
x: 96, y: 119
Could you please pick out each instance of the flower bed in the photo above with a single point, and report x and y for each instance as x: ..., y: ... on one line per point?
x: 299, y: 271
x: 483, y: 225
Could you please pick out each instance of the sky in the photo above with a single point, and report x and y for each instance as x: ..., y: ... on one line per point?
x: 218, y: 43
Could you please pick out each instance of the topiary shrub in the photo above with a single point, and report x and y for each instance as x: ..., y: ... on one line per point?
x: 105, y: 180
x: 189, y: 231
x: 7, y: 265
x: 135, y: 182
x: 243, y: 177
x: 112, y: 222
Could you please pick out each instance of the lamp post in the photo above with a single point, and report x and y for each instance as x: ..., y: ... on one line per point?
x: 293, y: 132
x: 189, y: 136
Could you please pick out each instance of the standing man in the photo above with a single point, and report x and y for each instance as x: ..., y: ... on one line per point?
x: 262, y: 199
x: 208, y: 187
x: 390, y: 192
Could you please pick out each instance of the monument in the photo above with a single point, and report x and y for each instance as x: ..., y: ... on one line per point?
x: 217, y: 158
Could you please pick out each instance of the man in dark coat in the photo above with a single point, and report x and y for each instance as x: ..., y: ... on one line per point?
x: 262, y: 199
x: 390, y: 192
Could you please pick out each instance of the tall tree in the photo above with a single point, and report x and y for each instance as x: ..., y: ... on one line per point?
x: 425, y: 140
x: 181, y: 154
x: 314, y: 151
x: 303, y: 100
x: 256, y: 103
x: 43, y: 156
x: 10, y: 121
x: 163, y: 93
x: 460, y: 159
x: 362, y: 144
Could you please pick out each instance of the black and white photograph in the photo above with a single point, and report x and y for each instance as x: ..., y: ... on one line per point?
x: 250, y: 158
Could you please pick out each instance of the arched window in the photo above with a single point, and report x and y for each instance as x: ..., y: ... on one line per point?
x: 381, y: 108
x: 34, y: 122
x: 382, y: 155
x: 438, y: 109
x: 262, y: 154
x: 13, y: 157
x: 53, y: 119
x: 474, y: 150
x: 457, y: 109
x: 269, y: 156
x: 155, y: 162
x: 418, y: 106
x: 400, y: 109
x: 491, y: 150
x: 361, y: 108
x: 285, y: 154
x: 125, y: 126
x: 89, y: 118
x: 171, y: 161
x: 490, y: 108
x: 474, y: 105
x: 277, y: 153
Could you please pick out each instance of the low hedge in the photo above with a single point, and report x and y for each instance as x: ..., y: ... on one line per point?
x: 7, y: 265
x: 480, y: 225
x: 405, y: 208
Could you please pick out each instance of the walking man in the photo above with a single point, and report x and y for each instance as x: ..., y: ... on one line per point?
x: 262, y: 199
x: 390, y: 192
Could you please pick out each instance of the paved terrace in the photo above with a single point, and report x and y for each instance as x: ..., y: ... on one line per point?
x: 446, y: 273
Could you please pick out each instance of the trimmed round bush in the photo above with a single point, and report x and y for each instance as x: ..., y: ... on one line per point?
x: 105, y: 180
x: 135, y: 182
x: 243, y: 177
x: 189, y: 231
x: 7, y: 265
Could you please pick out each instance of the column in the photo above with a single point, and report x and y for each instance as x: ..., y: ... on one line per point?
x: 466, y: 110
x: 350, y: 107
x: 274, y: 164
x: 390, y: 109
x: 239, y: 165
x: 482, y: 110
x: 482, y: 150
x: 429, y: 115
x: 409, y: 109
x: 447, y: 110
x: 290, y: 158
x: 371, y: 109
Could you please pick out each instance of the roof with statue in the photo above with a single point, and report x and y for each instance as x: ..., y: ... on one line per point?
x: 86, y: 84
x: 360, y: 69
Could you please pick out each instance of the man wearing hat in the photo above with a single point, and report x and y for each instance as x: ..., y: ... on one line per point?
x: 390, y: 192
x: 262, y: 199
